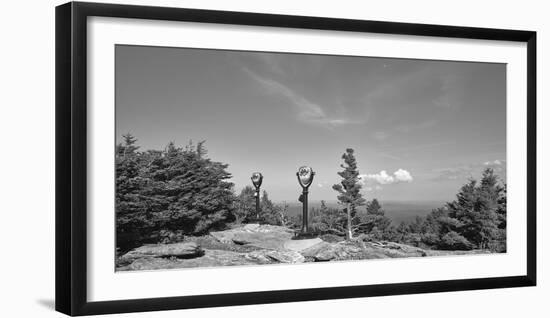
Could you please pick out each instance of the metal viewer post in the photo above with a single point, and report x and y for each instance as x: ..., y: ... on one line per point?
x: 257, y: 178
x: 305, y: 178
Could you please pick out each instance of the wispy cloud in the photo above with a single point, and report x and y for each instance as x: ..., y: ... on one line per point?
x: 407, y: 128
x: 398, y: 153
x: 388, y: 155
x: 374, y: 188
x: 306, y: 110
x: 467, y: 171
x: 422, y: 146
x: 271, y: 62
x: 323, y: 184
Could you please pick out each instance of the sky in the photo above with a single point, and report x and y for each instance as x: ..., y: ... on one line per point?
x: 419, y: 128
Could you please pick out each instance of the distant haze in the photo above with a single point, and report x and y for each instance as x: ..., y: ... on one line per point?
x: 419, y: 128
x: 397, y: 211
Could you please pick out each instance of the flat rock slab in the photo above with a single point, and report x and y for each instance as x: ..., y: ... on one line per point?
x: 179, y: 250
x: 289, y: 257
x: 215, y: 258
x: 211, y: 258
x: 262, y: 236
x: 300, y: 245
x: 332, y: 251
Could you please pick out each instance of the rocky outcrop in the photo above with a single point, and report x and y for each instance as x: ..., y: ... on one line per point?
x: 210, y: 258
x: 176, y: 250
x: 360, y: 250
x: 261, y: 236
x: 300, y: 245
x: 214, y: 258
x: 254, y: 244
x: 273, y: 256
x: 325, y: 251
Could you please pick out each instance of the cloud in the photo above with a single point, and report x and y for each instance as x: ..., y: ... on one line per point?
x: 382, y: 178
x: 467, y: 171
x: 323, y: 184
x: 271, y: 61
x: 493, y: 163
x: 306, y: 110
x: 374, y: 188
x: 403, y: 176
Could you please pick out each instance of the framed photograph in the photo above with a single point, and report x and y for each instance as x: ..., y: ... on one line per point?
x: 208, y: 158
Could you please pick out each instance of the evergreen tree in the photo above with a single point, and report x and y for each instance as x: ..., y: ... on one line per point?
x: 131, y: 205
x: 472, y: 220
x: 501, y: 210
x: 374, y: 222
x: 282, y: 211
x: 269, y: 211
x: 245, y: 204
x: 416, y: 225
x: 349, y: 190
x: 476, y: 209
x: 171, y: 190
x: 195, y: 187
x: 329, y: 220
x: 374, y: 208
x: 501, y: 214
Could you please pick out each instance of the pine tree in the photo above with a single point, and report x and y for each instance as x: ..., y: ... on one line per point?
x: 200, y: 196
x: 374, y: 208
x: 374, y: 222
x: 179, y: 190
x: 282, y: 210
x: 269, y: 211
x: 416, y: 225
x: 475, y: 210
x: 489, y: 196
x: 349, y: 190
x: 329, y: 220
x: 501, y: 210
x: 131, y: 204
x: 245, y: 204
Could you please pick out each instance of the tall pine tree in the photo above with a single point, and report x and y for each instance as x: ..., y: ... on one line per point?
x: 132, y: 206
x: 349, y: 190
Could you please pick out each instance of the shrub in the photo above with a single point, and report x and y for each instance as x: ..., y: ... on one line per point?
x: 454, y: 241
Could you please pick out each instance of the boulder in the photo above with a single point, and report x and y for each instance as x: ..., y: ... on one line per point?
x: 300, y: 245
x: 261, y: 236
x: 277, y: 256
x: 210, y: 258
x: 251, y: 227
x: 178, y: 250
x: 286, y: 256
x: 147, y: 263
x: 395, y: 250
x: 325, y: 251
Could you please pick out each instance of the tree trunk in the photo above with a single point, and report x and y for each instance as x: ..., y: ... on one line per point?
x: 350, y: 234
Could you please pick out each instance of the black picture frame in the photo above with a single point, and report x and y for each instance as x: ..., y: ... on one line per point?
x: 71, y: 157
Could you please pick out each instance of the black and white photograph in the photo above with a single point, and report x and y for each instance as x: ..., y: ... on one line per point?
x: 245, y: 158
x: 253, y: 159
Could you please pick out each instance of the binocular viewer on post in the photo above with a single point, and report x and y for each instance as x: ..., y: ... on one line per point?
x: 305, y: 176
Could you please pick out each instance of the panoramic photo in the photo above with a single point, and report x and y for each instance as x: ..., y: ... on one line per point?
x: 243, y: 158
